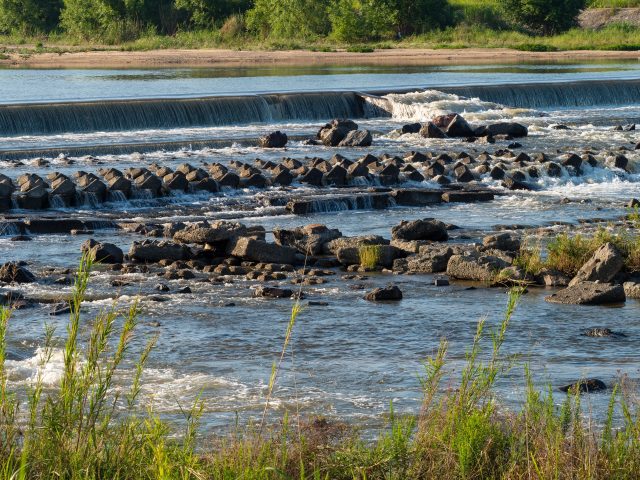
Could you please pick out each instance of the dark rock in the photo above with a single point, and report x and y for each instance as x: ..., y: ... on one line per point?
x: 587, y: 385
x: 462, y: 196
x: 154, y: 251
x: 313, y: 177
x: 162, y: 287
x: 273, y: 140
x: 184, y: 290
x: 410, y: 128
x: 309, y: 240
x: 426, y: 229
x: 273, y: 292
x: 513, y: 184
x: 458, y: 127
x: 386, y: 294
x: 501, y: 241
x: 602, y: 332
x: 430, y: 130
x: 12, y: 272
x: 335, y: 131
x: 589, y: 293
x: 553, y: 169
x: 357, y: 138
x: 514, y: 130
x: 102, y: 252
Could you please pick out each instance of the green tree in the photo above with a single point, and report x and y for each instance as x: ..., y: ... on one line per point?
x: 90, y: 19
x: 420, y: 16
x: 207, y: 13
x: 543, y: 16
x: 29, y: 16
x: 361, y: 20
x: 288, y: 18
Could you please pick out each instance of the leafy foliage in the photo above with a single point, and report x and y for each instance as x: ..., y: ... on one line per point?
x: 29, y: 16
x: 543, y: 16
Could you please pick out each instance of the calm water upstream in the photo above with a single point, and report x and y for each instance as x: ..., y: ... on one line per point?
x: 351, y: 357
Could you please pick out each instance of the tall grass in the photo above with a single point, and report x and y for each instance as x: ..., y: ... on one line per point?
x: 87, y: 428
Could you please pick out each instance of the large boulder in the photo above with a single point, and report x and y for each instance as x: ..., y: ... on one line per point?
x: 426, y: 229
x: 310, y: 240
x: 12, y: 272
x: 511, y: 129
x: 154, y: 251
x: 476, y: 267
x: 385, y: 254
x: 501, y: 241
x: 430, y: 259
x: 334, y: 132
x: 274, y: 140
x: 458, y: 127
x: 386, y: 294
x: 353, y: 242
x: 357, y: 138
x: 589, y: 293
x: 102, y: 252
x: 217, y: 232
x: 431, y: 130
x: 606, y: 263
x: 261, y: 251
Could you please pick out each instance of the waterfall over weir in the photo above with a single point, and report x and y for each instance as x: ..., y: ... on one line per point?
x: 121, y: 115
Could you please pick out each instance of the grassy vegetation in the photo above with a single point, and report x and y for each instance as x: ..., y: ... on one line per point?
x: 567, y: 253
x: 86, y: 428
x: 369, y: 256
x: 472, y: 34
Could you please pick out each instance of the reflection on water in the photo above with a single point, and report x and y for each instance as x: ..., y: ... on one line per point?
x: 35, y: 85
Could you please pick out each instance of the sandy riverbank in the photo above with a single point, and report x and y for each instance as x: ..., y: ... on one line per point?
x: 234, y: 58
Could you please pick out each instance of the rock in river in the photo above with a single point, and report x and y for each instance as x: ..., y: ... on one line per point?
x: 388, y: 293
x: 589, y: 293
x: 585, y: 386
x: 605, y: 264
x: 102, y: 252
x: 11, y: 272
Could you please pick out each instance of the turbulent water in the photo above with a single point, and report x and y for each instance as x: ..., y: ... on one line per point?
x: 350, y: 358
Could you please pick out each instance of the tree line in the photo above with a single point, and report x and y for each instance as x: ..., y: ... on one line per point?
x: 343, y: 20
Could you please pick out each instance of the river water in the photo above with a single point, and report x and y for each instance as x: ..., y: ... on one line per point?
x: 351, y: 358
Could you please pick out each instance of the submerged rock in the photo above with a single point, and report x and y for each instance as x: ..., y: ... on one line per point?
x: 587, y: 385
x: 273, y: 292
x: 602, y: 332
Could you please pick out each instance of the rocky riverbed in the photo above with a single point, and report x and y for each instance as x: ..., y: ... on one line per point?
x: 388, y: 248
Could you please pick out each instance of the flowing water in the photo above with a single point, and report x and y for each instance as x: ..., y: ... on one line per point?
x: 351, y: 358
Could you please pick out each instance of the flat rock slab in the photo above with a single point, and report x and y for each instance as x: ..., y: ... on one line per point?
x: 589, y: 293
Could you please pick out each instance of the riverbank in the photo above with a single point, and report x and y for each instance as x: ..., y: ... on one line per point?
x: 171, y: 58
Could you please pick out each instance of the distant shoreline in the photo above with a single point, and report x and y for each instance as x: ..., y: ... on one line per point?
x: 177, y: 58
